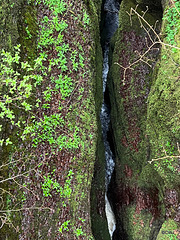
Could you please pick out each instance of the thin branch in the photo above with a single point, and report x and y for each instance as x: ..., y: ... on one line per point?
x: 172, y: 2
x: 6, y: 220
x: 156, y: 41
x: 178, y: 147
x: 172, y: 157
x: 26, y: 209
x: 22, y: 186
x: 3, y: 190
x: 151, y: 27
x: 22, y: 174
x: 7, y: 164
x: 156, y: 159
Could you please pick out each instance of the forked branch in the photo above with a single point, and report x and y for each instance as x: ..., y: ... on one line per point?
x: 154, y: 40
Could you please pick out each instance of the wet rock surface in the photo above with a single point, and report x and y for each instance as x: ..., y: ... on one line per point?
x: 137, y: 190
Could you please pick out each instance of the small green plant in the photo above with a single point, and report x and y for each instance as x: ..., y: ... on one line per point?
x: 68, y: 224
x: 16, y: 87
x: 74, y: 60
x: 78, y: 232
x: 28, y: 33
x: 64, y: 226
x: 12, y: 5
x: 50, y: 184
x: 86, y: 18
x: 172, y: 16
x: 168, y: 162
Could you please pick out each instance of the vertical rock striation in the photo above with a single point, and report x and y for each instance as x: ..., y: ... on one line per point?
x: 143, y: 86
x: 52, y: 200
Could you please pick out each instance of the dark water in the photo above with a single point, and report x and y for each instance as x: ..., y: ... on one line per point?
x: 109, y: 26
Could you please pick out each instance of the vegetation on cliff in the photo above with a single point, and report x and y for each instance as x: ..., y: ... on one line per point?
x: 51, y: 66
x: 48, y: 120
x: 144, y: 91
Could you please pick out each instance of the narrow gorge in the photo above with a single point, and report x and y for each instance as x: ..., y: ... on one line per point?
x: 143, y: 191
x: 89, y: 119
x: 108, y: 26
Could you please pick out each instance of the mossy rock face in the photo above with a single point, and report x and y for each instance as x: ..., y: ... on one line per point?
x: 169, y: 230
x: 10, y: 13
x: 145, y: 122
x: 98, y: 217
x: 163, y: 118
x: 28, y: 31
x: 163, y: 123
x: 138, y: 224
x: 45, y: 225
x: 130, y: 81
x: 129, y: 85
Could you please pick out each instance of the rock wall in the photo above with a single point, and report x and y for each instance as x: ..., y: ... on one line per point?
x: 144, y: 90
x: 45, y: 192
x: 50, y: 198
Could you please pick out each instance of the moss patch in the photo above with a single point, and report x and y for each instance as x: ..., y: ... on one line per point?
x: 70, y: 102
x: 137, y: 225
x: 169, y: 230
x: 163, y: 118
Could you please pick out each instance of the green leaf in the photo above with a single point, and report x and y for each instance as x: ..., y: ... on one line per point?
x: 8, y: 142
x: 1, y: 142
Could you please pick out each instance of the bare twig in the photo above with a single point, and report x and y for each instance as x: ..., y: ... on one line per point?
x: 23, y: 186
x: 26, y: 209
x: 156, y: 159
x: 172, y: 2
x: 151, y: 31
x: 24, y: 173
x: 166, y: 156
x: 13, y: 162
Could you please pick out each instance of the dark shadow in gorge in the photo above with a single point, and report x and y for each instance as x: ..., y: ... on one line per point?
x: 108, y: 26
x: 99, y: 221
x: 107, y: 29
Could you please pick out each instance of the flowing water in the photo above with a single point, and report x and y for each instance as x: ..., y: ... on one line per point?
x: 111, y: 8
x: 105, y: 122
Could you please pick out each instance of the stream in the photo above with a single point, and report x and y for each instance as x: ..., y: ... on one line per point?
x: 110, y: 25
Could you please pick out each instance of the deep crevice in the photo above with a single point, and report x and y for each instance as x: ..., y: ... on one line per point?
x: 109, y: 24
x: 106, y: 32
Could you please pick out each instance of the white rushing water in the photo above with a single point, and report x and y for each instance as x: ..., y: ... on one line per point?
x: 105, y: 121
x: 111, y: 24
x: 110, y: 217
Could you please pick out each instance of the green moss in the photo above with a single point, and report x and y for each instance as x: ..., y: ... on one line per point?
x: 137, y: 225
x: 163, y: 116
x: 169, y: 230
x: 28, y: 31
x: 148, y: 177
x: 27, y: 34
x: 94, y: 9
